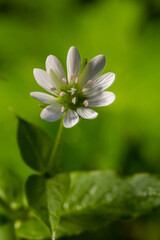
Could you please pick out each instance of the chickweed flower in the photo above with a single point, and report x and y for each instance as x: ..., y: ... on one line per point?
x: 73, y: 96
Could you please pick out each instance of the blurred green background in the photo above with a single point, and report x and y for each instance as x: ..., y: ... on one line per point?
x: 126, y: 134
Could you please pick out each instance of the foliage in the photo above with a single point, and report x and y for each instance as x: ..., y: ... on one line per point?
x: 67, y: 204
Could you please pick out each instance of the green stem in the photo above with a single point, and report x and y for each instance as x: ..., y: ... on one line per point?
x: 52, y: 162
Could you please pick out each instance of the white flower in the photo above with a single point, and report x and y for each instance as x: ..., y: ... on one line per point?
x: 73, y: 95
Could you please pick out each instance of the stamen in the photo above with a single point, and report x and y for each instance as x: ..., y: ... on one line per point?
x: 90, y: 82
x: 64, y: 80
x: 72, y: 76
x: 72, y: 91
x: 84, y: 90
x: 76, y: 80
x: 53, y: 89
x: 62, y: 109
x: 74, y: 100
x: 85, y: 103
x: 62, y: 94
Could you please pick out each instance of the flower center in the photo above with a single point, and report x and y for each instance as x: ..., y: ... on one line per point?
x: 72, y: 97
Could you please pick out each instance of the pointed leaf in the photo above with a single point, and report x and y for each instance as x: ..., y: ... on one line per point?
x: 98, y: 198
x: 95, y: 199
x: 35, y: 145
x: 37, y: 197
x: 46, y: 197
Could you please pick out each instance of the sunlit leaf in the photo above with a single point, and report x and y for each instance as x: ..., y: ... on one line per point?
x: 99, y: 198
x: 95, y: 199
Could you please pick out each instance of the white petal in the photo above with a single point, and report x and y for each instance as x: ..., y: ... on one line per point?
x: 52, y: 113
x: 52, y: 63
x: 93, y: 69
x: 73, y: 63
x: 87, y: 113
x: 101, y: 99
x: 55, y: 68
x: 71, y: 118
x: 101, y: 84
x: 43, y: 97
x: 44, y: 79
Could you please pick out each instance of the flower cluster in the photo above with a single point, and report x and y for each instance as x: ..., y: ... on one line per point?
x: 74, y: 95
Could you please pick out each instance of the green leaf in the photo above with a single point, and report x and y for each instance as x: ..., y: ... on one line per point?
x: 95, y: 199
x: 46, y: 197
x: 98, y: 198
x: 37, y: 197
x: 33, y: 229
x: 35, y: 145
